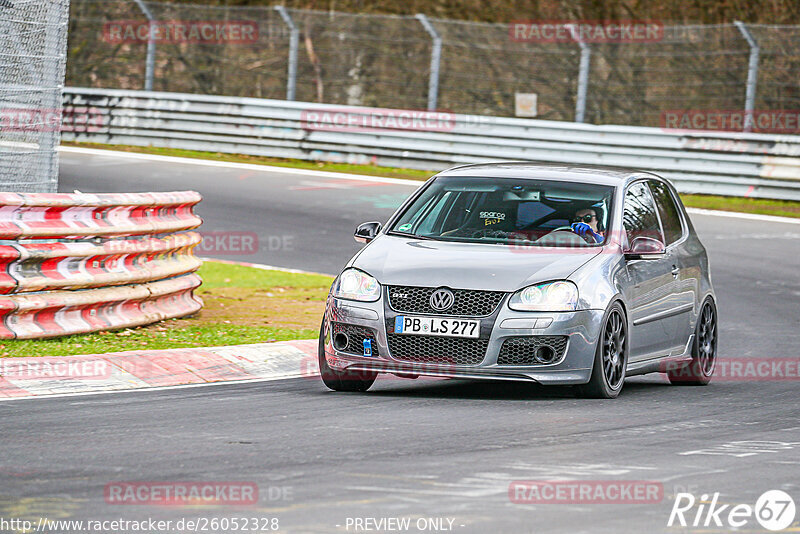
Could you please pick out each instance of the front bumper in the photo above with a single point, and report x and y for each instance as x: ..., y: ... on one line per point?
x: 581, y: 327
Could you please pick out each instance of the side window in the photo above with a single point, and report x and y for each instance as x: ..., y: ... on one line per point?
x: 670, y: 219
x: 639, y: 213
x: 410, y: 218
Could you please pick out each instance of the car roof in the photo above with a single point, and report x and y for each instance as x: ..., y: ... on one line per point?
x: 595, y: 174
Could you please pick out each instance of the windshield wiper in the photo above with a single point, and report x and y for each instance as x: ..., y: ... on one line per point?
x: 415, y: 236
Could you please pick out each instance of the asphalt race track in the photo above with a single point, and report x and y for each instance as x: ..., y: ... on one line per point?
x: 419, y: 449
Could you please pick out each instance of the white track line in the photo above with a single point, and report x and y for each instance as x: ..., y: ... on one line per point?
x: 738, y: 215
x: 354, y: 177
x: 265, y: 267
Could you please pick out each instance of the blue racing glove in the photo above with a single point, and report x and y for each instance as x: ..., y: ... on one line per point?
x: 582, y: 229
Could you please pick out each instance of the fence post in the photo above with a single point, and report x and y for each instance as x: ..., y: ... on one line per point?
x: 752, y: 76
x: 583, y: 74
x: 436, y: 58
x: 294, y: 39
x: 55, y: 50
x: 150, y: 64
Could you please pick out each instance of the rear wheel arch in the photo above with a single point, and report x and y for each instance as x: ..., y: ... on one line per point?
x: 705, y: 347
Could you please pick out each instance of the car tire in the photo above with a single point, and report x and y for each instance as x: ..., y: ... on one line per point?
x: 611, y: 357
x: 700, y: 370
x: 353, y: 381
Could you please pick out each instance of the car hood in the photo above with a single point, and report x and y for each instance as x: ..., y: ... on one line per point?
x: 395, y: 260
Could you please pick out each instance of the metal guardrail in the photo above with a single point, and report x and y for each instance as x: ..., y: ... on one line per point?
x: 712, y: 162
x: 78, y: 263
x: 108, y: 262
x: 39, y: 215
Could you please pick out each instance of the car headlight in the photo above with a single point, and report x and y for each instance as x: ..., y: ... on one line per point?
x: 353, y: 284
x: 551, y: 297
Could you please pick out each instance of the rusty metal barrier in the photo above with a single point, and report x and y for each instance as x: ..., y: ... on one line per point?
x: 78, y: 263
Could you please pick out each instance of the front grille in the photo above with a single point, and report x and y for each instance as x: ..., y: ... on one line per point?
x: 468, y: 302
x: 355, y: 338
x: 522, y: 350
x: 429, y: 349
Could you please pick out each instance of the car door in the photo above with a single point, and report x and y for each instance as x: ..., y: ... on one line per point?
x: 683, y: 264
x: 649, y: 288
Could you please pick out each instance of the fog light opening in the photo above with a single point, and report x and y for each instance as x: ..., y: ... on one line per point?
x: 340, y: 341
x: 545, y: 354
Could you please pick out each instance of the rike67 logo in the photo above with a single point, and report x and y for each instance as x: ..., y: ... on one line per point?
x: 774, y: 510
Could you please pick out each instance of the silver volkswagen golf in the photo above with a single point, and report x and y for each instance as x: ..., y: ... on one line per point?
x: 519, y: 271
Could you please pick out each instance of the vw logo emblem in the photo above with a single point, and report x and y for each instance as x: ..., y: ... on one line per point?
x: 442, y: 299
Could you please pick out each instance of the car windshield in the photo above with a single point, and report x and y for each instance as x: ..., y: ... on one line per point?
x: 508, y: 211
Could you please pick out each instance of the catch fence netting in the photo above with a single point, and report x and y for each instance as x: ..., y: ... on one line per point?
x: 33, y: 37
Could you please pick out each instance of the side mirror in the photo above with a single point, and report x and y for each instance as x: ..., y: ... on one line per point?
x: 367, y: 231
x: 645, y: 248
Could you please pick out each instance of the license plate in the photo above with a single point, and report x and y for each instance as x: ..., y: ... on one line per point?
x: 437, y: 326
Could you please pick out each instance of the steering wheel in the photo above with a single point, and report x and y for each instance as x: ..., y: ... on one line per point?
x: 569, y: 229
